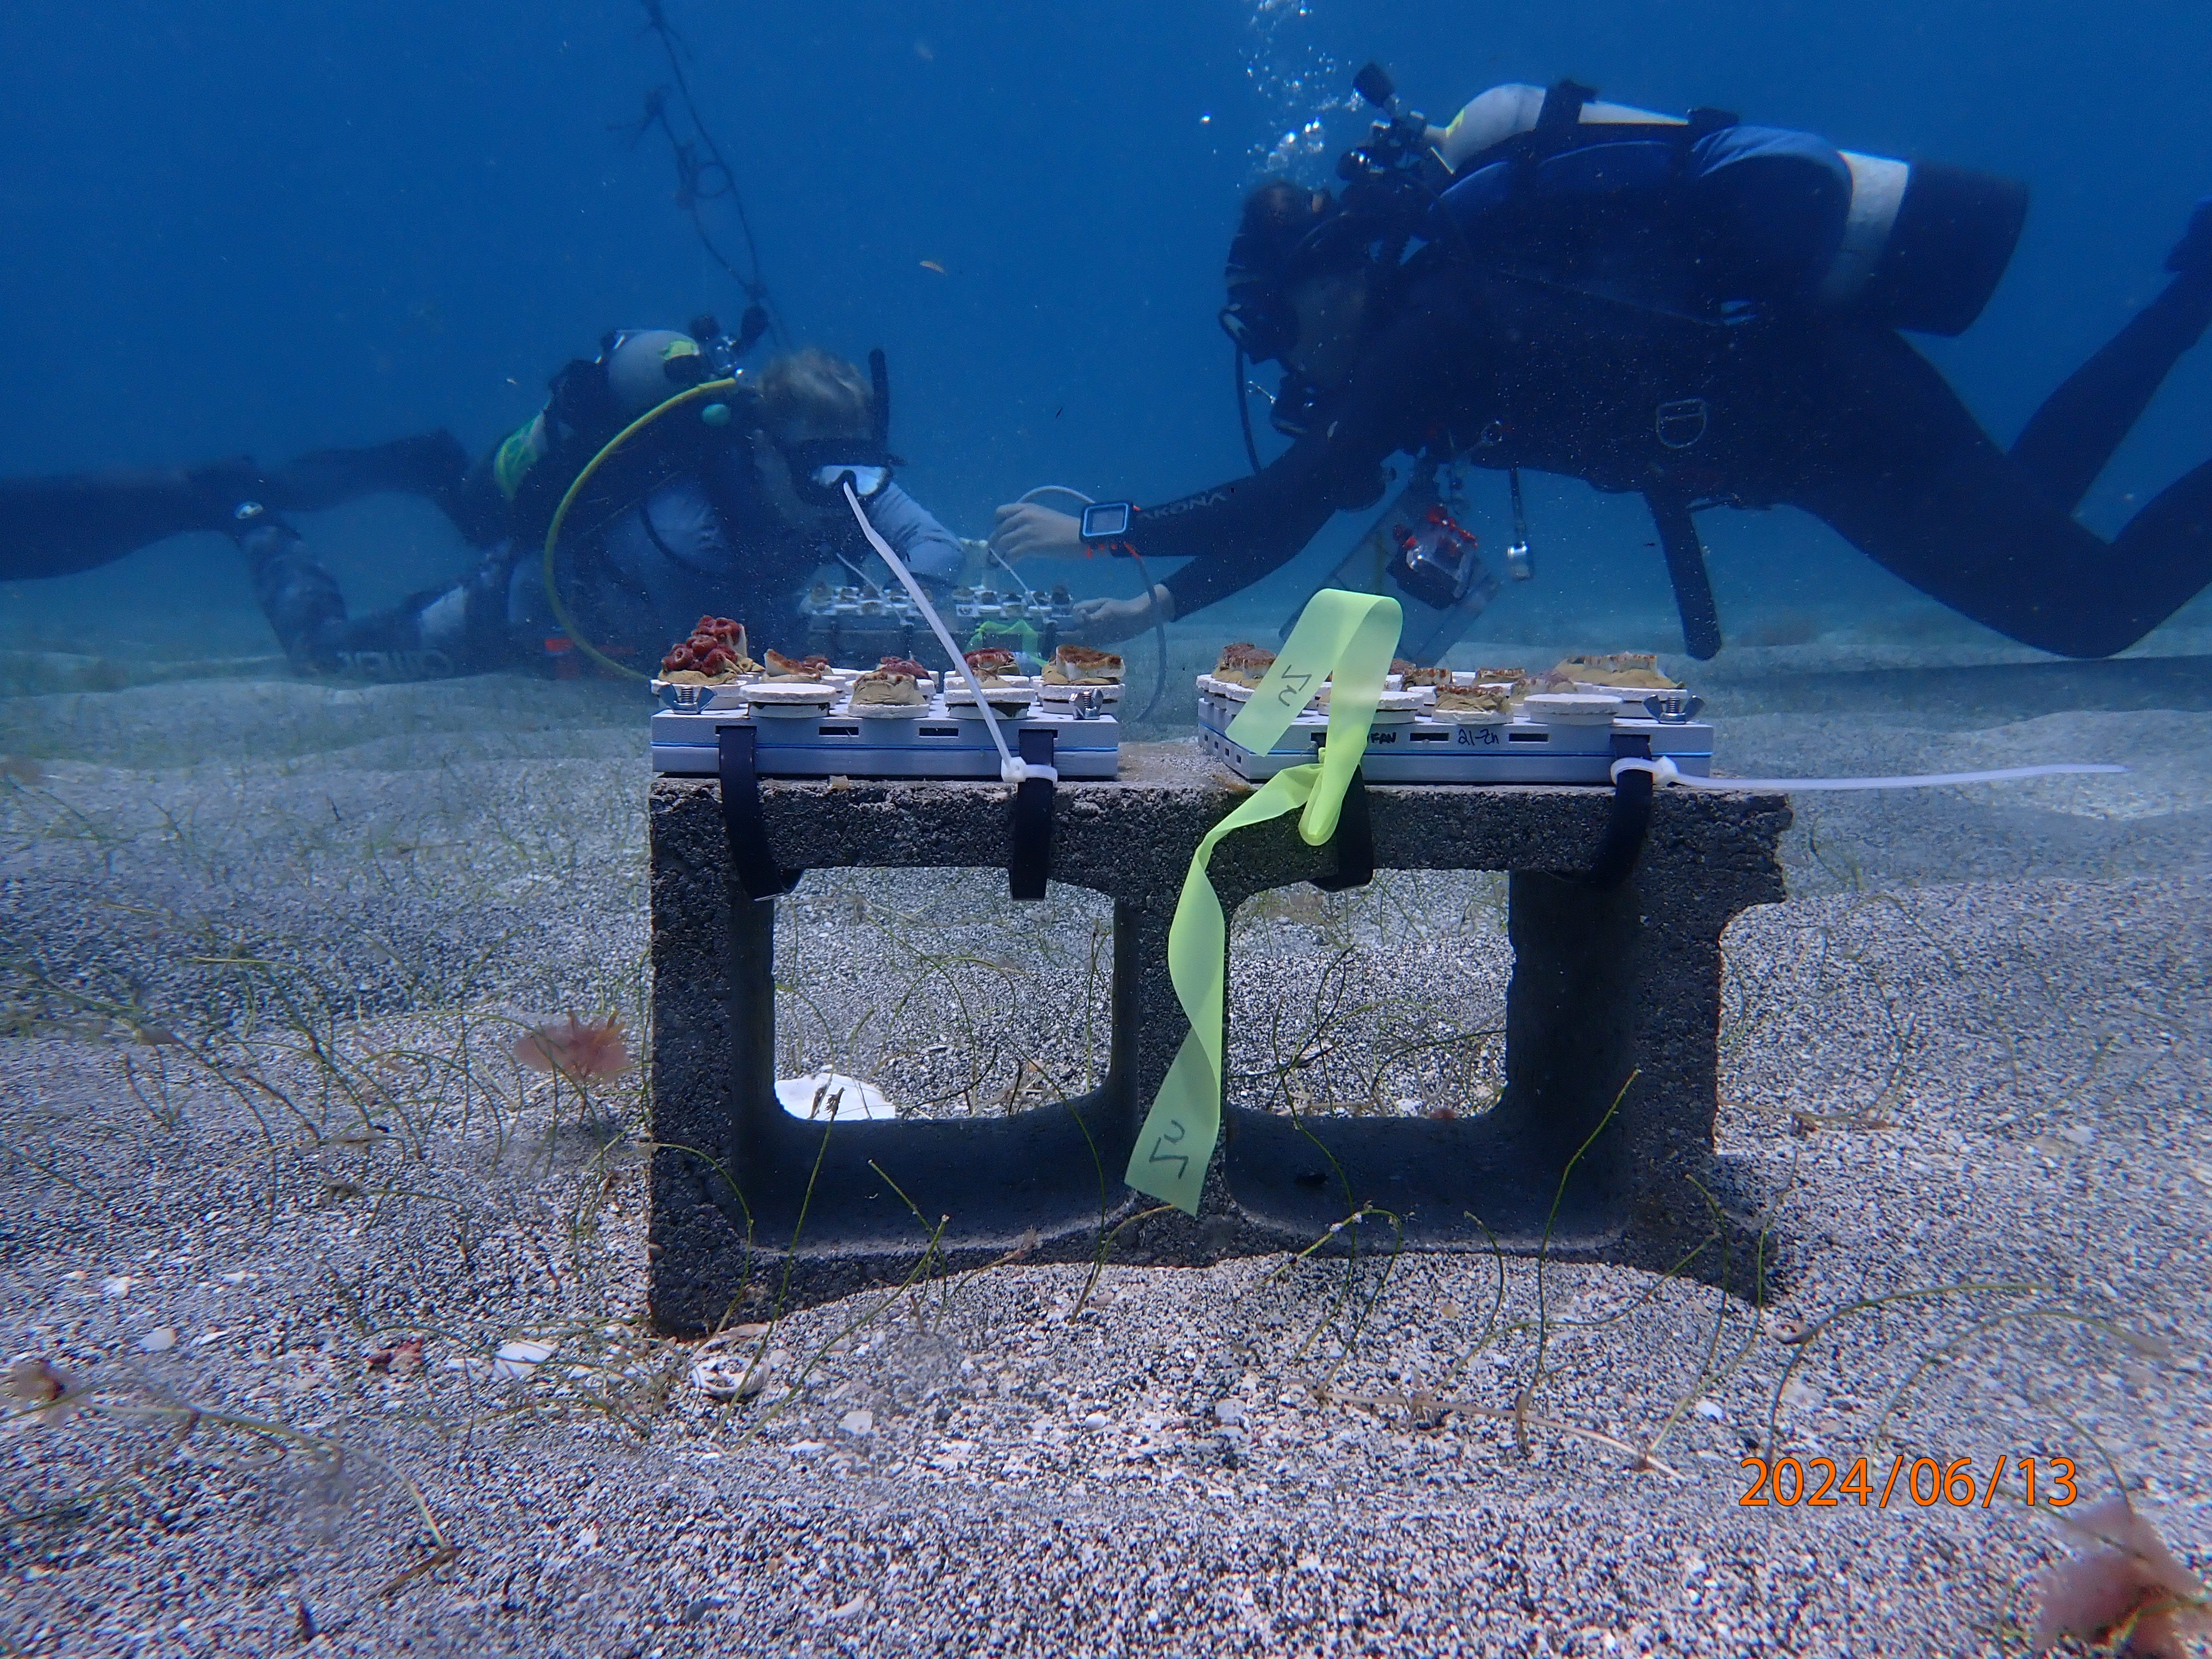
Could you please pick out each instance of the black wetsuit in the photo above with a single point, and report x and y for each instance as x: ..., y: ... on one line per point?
x: 60, y: 526
x: 1851, y: 424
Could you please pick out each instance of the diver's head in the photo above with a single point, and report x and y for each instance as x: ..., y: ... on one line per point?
x: 646, y: 366
x: 820, y: 410
x: 813, y: 396
x: 1297, y: 281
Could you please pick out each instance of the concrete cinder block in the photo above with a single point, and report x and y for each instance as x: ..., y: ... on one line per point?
x: 1612, y: 1022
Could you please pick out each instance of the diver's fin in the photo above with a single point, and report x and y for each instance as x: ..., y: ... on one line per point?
x: 2192, y: 254
x: 60, y: 526
x: 432, y: 466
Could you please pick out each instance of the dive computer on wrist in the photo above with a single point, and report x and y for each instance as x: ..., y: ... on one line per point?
x: 1105, y: 526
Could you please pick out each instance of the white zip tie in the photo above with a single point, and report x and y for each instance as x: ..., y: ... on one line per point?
x: 1012, y: 768
x: 1663, y: 770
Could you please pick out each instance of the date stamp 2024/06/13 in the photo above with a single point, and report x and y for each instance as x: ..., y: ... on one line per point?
x: 1819, y: 1483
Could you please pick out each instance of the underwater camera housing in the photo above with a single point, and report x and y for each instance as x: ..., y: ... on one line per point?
x: 1436, y: 561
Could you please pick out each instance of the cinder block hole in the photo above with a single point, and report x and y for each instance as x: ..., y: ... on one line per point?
x: 941, y: 992
x: 1386, y: 1000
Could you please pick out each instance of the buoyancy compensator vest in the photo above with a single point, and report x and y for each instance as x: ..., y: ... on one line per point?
x: 1706, y: 213
x: 592, y: 400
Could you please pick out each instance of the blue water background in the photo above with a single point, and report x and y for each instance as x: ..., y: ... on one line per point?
x: 253, y: 227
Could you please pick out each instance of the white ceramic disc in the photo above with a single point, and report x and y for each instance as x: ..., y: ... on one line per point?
x: 1571, y: 707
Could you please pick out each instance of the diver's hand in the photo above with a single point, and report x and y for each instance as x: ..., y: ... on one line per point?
x: 1104, y: 622
x: 1024, y: 528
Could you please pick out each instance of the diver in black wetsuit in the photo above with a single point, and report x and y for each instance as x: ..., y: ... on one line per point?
x: 724, y: 506
x: 1719, y: 329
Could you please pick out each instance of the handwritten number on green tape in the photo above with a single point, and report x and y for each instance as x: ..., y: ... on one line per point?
x: 1350, y: 636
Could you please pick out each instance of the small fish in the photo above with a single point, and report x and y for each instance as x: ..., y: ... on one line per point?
x: 931, y: 265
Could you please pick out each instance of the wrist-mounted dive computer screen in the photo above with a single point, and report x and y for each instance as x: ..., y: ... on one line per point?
x: 1106, y: 521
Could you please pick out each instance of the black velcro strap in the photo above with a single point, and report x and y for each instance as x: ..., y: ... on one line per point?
x: 1629, y: 820
x: 1354, y: 841
x: 759, y: 876
x: 1561, y: 108
x: 1029, y: 863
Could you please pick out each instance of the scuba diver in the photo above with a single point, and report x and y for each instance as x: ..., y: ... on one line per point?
x: 1698, y: 310
x: 682, y: 486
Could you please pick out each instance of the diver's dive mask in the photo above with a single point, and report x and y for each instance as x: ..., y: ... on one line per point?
x: 822, y: 467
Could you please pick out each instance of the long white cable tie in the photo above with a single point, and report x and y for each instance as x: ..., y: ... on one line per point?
x: 1663, y: 770
x: 1012, y: 768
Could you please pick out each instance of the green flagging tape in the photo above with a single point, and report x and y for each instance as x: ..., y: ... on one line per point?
x: 1351, y: 637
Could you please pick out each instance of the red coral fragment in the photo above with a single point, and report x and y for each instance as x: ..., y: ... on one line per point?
x: 906, y: 665
x: 804, y: 668
x: 717, y: 646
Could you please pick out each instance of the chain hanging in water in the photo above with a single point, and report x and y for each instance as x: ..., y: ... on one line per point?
x: 703, y: 173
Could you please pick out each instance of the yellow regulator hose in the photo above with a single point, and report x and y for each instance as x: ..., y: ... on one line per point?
x: 688, y: 395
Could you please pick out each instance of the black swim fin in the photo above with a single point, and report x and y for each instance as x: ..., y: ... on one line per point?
x: 431, y: 466
x: 58, y: 527
x: 2192, y: 254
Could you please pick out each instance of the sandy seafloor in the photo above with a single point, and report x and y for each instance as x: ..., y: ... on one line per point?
x: 242, y: 918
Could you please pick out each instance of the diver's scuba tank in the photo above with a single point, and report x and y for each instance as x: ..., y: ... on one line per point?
x: 1908, y: 245
x: 1924, y: 244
